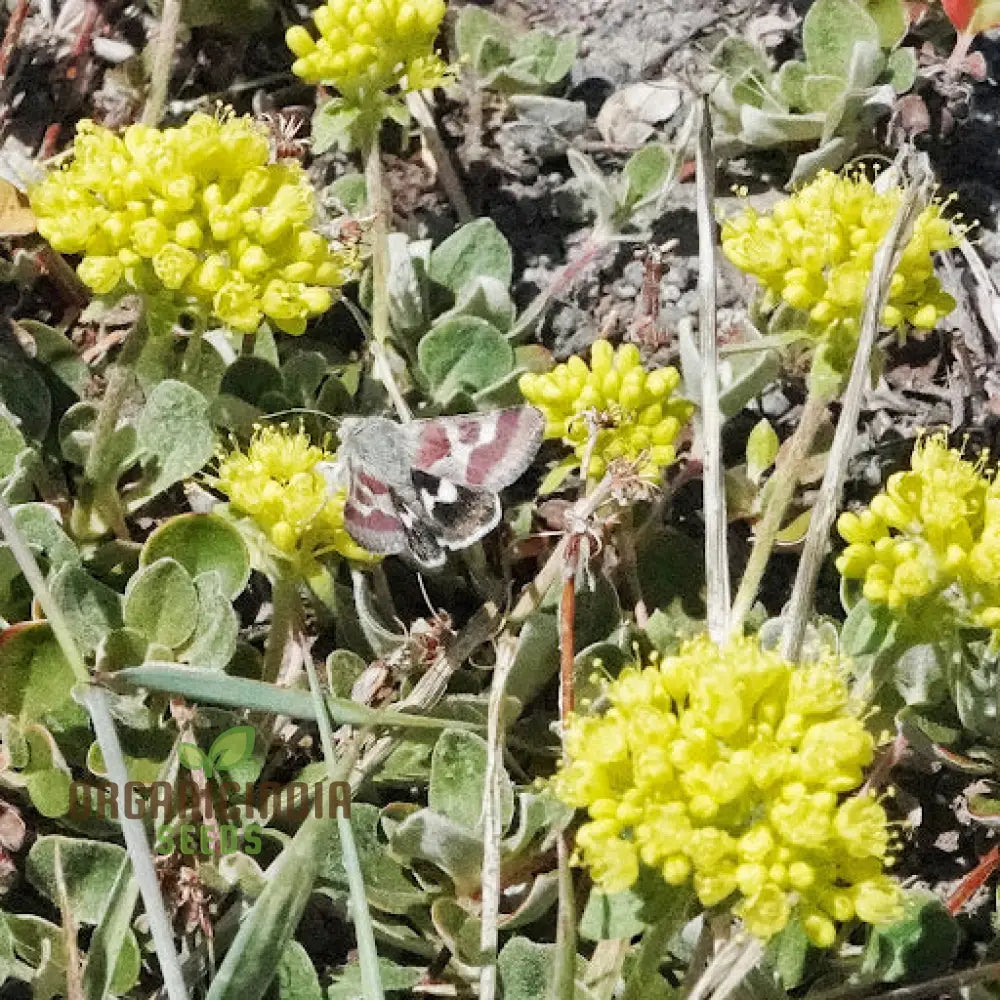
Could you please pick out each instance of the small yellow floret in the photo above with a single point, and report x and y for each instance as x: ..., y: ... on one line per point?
x: 367, y: 47
x: 276, y: 483
x: 195, y: 217
x: 725, y: 770
x: 932, y: 534
x: 818, y: 260
x: 631, y: 412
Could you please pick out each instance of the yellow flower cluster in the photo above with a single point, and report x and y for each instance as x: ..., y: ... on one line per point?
x: 277, y: 484
x: 815, y: 249
x: 631, y: 412
x: 934, y: 531
x: 366, y: 47
x: 196, y: 216
x: 727, y: 769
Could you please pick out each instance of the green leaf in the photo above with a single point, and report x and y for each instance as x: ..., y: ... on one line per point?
x: 478, y: 249
x: 343, y: 668
x: 193, y: 758
x: 487, y: 298
x: 902, y: 69
x: 388, y: 885
x: 161, y: 601
x: 458, y: 775
x: 789, y: 82
x: 37, y: 679
x: 334, y: 124
x: 90, y: 869
x: 108, y: 946
x: 820, y: 92
x: 473, y: 26
x: 526, y: 971
x: 12, y: 443
x: 736, y: 57
x: 463, y: 354
x: 175, y: 433
x: 788, y: 952
x: 394, y: 978
x: 536, y: 658
x: 762, y: 449
x: 217, y: 628
x: 251, y: 379
x: 646, y: 172
x: 253, y: 958
x: 202, y: 543
x: 608, y: 916
x: 297, y: 979
x: 91, y: 609
x: 24, y: 394
x: 428, y: 836
x: 218, y: 688
x: 920, y: 945
x: 830, y: 31
x: 232, y: 747
x: 351, y: 191
x: 767, y: 129
x: 40, y: 526
x: 890, y: 17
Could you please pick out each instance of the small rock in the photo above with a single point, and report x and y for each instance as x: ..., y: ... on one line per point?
x: 629, y: 116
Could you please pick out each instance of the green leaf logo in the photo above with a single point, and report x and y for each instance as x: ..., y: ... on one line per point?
x: 231, y: 747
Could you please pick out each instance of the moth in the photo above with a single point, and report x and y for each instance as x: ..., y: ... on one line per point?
x: 429, y: 486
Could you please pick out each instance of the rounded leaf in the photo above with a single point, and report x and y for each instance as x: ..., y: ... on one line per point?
x: 161, y: 602
x: 464, y: 353
x: 201, y: 543
x: 89, y: 869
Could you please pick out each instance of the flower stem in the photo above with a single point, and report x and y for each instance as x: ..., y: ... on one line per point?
x: 163, y: 55
x: 287, y: 607
x: 371, y: 983
x: 381, y: 331
x: 786, y: 478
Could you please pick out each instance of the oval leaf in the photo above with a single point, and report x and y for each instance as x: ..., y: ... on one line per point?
x: 161, y: 602
x: 200, y: 543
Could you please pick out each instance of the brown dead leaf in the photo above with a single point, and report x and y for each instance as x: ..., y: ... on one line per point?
x: 16, y: 218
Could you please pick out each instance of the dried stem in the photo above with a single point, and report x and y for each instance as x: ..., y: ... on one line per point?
x: 973, y: 881
x: 937, y: 987
x: 12, y: 36
x: 713, y: 478
x: 489, y: 938
x: 564, y: 974
x: 825, y: 511
x: 380, y: 327
x: 784, y: 481
x: 567, y: 623
x: 562, y: 282
x: 422, y: 115
x: 163, y: 57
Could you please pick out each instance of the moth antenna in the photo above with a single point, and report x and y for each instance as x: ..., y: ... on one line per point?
x: 423, y: 590
x: 302, y: 410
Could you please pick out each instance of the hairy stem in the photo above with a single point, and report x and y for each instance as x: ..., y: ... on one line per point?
x: 785, y: 479
x: 163, y: 56
x: 380, y: 328
x: 710, y: 414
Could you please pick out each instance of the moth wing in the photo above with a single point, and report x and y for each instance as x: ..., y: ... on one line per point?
x: 483, y: 452
x: 371, y: 517
x: 458, y: 515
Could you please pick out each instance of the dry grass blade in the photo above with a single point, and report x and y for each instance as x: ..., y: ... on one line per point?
x: 915, y: 199
x: 716, y: 557
x: 489, y: 939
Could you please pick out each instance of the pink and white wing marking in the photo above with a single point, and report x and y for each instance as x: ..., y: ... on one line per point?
x: 370, y: 515
x: 481, y: 451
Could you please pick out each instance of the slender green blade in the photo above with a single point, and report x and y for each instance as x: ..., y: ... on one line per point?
x: 204, y: 685
x: 253, y: 958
